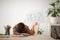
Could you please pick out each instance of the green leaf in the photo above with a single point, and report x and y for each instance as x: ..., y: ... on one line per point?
x: 58, y: 10
x: 54, y: 14
x: 57, y: 1
x: 49, y: 12
x: 52, y: 4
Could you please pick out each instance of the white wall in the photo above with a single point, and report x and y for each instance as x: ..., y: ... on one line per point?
x: 15, y: 11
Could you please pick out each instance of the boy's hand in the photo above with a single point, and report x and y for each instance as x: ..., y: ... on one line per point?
x: 36, y: 23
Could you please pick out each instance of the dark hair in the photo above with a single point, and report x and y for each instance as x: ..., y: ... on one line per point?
x: 20, y: 27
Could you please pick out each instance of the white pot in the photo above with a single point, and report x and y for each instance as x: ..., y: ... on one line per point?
x: 54, y: 20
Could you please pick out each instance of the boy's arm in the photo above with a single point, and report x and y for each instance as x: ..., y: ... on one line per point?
x: 32, y: 31
x: 29, y: 31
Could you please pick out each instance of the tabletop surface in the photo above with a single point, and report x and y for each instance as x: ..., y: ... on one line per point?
x: 33, y: 37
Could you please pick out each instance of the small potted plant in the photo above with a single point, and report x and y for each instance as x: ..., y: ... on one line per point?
x: 54, y: 12
x: 39, y: 31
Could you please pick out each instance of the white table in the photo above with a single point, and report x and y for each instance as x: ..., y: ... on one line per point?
x: 34, y: 37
